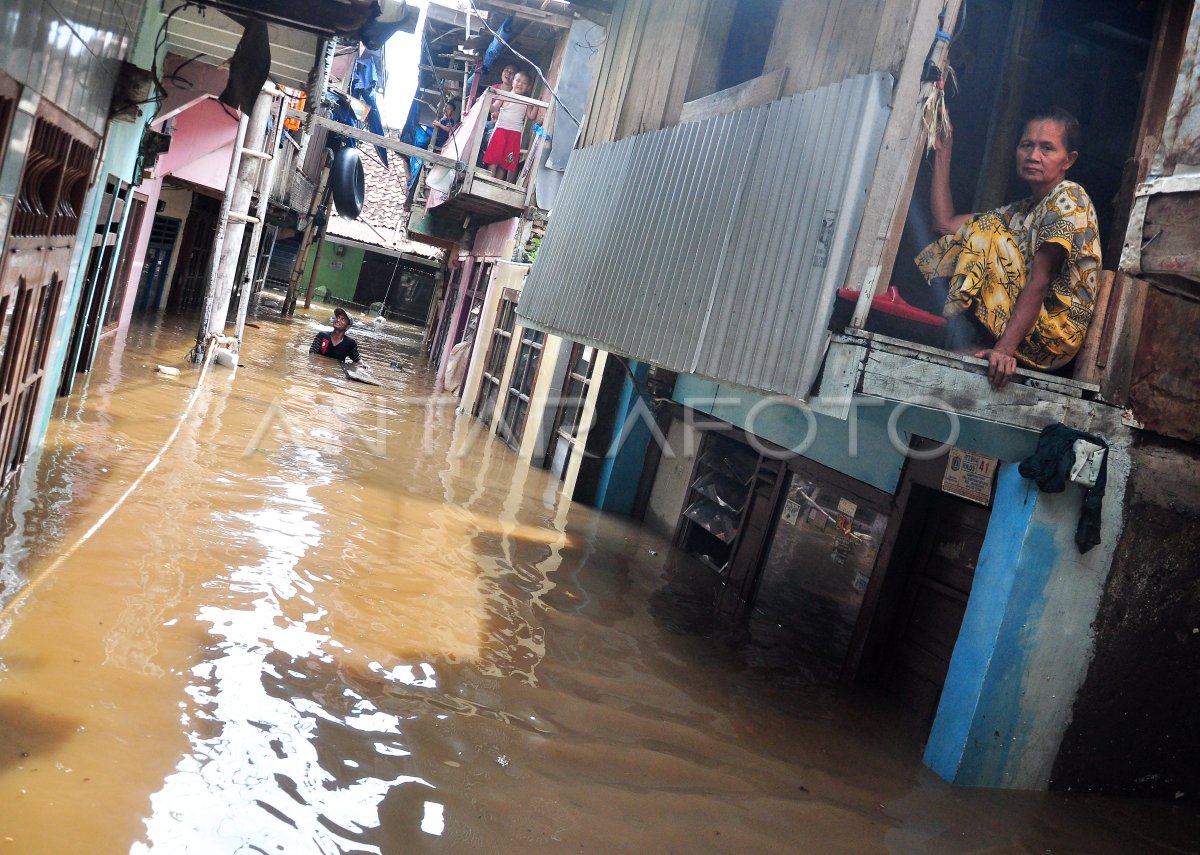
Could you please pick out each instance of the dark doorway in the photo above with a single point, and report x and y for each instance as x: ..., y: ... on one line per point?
x: 934, y: 558
x: 163, y: 235
x: 405, y: 289
x: 195, y: 256
x: 1013, y: 57
x: 98, y: 278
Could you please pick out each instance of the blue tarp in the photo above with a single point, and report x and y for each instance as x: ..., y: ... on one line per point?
x: 362, y: 87
x: 414, y: 133
x: 493, y: 52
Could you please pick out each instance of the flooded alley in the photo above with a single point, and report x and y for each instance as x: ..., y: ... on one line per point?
x: 338, y: 618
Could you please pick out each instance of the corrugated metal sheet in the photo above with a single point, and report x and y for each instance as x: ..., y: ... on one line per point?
x: 715, y: 247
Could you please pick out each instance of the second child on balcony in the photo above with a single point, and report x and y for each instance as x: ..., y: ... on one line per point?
x: 1025, y: 275
x: 503, y: 155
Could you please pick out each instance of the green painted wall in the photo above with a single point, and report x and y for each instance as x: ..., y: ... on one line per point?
x: 340, y: 282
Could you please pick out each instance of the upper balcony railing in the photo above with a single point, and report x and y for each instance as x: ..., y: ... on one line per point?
x: 470, y: 188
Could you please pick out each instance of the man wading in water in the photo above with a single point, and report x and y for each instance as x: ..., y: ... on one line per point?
x: 337, y: 344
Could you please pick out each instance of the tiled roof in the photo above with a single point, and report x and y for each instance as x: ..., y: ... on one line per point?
x: 381, y: 222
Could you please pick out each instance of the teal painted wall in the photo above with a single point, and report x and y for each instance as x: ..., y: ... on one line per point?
x: 340, y: 282
x: 120, y: 154
x: 618, y: 482
x: 868, y: 446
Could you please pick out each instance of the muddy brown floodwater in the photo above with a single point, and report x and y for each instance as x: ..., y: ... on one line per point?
x: 339, y: 618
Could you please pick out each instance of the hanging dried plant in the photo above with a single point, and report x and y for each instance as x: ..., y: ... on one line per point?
x: 935, y: 118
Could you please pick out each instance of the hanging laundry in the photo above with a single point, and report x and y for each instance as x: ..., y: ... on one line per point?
x: 1050, y: 466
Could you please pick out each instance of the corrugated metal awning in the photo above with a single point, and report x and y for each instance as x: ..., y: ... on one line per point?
x: 715, y: 247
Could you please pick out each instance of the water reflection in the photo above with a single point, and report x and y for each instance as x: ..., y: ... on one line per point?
x: 357, y: 624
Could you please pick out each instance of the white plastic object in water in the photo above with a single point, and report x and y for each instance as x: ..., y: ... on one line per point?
x: 362, y: 374
x: 1088, y: 457
x: 168, y: 371
x: 225, y: 357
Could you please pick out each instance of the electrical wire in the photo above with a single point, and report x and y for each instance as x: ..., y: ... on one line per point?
x: 160, y: 42
x: 528, y: 61
x: 63, y: 557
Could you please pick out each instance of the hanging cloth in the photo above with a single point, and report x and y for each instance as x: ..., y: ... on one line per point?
x: 1050, y: 466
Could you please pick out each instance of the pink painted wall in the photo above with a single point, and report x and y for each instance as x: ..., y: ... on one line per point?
x: 200, y: 146
x: 490, y: 239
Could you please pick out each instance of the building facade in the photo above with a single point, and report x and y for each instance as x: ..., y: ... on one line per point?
x: 737, y: 229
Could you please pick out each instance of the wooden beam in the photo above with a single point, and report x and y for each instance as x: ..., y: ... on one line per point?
x: 441, y: 72
x: 903, y: 379
x: 375, y: 139
x: 752, y: 93
x: 539, y: 16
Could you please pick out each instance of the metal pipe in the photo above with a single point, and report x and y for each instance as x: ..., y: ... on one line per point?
x: 238, y: 201
x: 265, y: 183
x: 235, y: 162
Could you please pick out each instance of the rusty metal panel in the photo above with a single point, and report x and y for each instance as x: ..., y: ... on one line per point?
x: 715, y: 247
x: 1167, y: 204
x: 1165, y: 392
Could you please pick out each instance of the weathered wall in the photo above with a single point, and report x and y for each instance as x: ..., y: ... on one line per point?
x: 1134, y: 728
x: 671, y: 480
x: 821, y: 42
x: 1165, y: 390
x: 657, y: 54
x: 338, y: 273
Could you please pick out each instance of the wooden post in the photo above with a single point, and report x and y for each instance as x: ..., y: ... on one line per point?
x: 899, y: 159
x: 1092, y: 356
x: 312, y: 276
x: 289, y: 301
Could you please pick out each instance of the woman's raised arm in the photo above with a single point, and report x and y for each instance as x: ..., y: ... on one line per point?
x: 941, y: 202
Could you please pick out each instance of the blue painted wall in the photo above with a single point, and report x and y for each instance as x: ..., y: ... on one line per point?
x: 618, y: 482
x: 978, y: 719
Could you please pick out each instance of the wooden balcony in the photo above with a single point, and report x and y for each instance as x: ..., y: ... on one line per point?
x: 468, y: 191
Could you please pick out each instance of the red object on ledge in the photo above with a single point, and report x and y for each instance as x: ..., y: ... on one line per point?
x: 891, y: 303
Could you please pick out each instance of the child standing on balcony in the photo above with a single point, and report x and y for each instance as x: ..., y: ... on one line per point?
x: 503, y: 154
x: 446, y: 124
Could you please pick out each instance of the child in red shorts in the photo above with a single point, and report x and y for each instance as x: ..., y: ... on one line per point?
x: 503, y: 154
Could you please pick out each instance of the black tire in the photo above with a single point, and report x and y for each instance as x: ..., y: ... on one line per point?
x: 348, y: 182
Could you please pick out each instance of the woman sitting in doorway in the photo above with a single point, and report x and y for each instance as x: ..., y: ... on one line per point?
x: 1024, y: 275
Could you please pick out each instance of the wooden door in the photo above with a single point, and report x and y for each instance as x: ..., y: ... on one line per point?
x: 51, y: 196
x: 934, y: 598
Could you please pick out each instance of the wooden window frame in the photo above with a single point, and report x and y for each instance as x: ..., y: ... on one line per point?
x: 514, y: 432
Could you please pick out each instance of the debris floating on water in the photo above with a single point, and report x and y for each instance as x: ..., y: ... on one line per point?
x: 168, y: 371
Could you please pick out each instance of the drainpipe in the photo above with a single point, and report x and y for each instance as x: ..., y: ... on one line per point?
x: 218, y: 251
x: 235, y: 208
x: 265, y: 184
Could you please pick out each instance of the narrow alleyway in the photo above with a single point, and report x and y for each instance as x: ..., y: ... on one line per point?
x: 339, y: 618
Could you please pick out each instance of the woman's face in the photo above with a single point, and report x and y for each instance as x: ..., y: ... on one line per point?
x: 1042, y: 156
x: 506, y: 76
